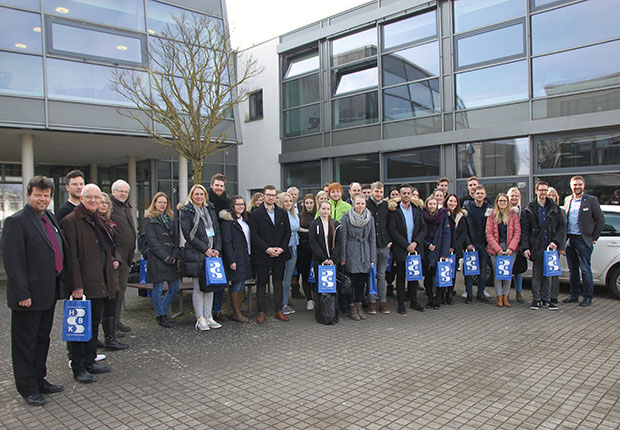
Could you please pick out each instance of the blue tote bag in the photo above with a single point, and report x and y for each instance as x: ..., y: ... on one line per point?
x: 443, y: 276
x: 413, y: 267
x: 214, y: 269
x: 503, y: 267
x: 471, y: 263
x: 452, y: 260
x: 372, y: 287
x: 327, y: 279
x: 142, y: 271
x: 76, y: 321
x: 552, y: 263
x: 311, y: 276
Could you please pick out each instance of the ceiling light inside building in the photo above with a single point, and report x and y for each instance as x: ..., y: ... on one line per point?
x: 151, y: 31
x: 122, y: 48
x: 37, y: 29
x: 21, y: 45
x: 61, y: 9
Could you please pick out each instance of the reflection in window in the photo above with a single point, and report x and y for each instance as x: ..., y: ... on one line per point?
x: 301, y: 64
x: 470, y: 14
x: 26, y: 4
x: 301, y: 91
x: 406, y: 101
x: 503, y: 43
x: 118, y: 13
x: 496, y: 186
x: 302, y: 174
x: 359, y: 168
x: 357, y: 79
x: 20, y: 31
x: 410, y: 164
x: 581, y: 69
x: 494, y: 158
x: 21, y: 74
x: 578, y: 151
x: 579, y: 24
x: 411, y: 64
x: 493, y: 85
x: 354, y: 47
x: 409, y: 30
x: 256, y: 105
x: 356, y: 110
x: 302, y: 121
x: 69, y: 80
x: 161, y: 15
x: 604, y: 186
x: 84, y: 43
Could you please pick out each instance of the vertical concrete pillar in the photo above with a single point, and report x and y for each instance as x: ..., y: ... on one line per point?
x: 27, y: 160
x: 131, y: 176
x: 93, y: 173
x: 183, y: 183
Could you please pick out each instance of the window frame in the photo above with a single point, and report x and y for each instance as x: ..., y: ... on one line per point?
x: 252, y: 99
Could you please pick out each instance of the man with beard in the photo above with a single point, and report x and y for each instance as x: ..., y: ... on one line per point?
x: 217, y: 196
x: 74, y: 182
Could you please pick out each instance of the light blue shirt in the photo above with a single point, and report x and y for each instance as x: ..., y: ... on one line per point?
x: 573, y: 216
x: 408, y: 213
x: 294, y: 222
x: 272, y: 214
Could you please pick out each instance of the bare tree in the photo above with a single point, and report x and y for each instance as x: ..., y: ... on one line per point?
x: 190, y: 88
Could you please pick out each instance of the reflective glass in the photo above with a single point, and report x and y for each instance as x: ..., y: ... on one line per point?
x: 411, y: 64
x: 495, y: 158
x: 168, y: 56
x: 302, y: 174
x: 470, y: 14
x: 406, y: 101
x: 604, y: 186
x: 582, y: 69
x: 27, y: 4
x: 578, y: 151
x: 493, y: 85
x: 409, y: 30
x: 579, y: 24
x: 90, y: 43
x: 117, y: 13
x: 301, y: 91
x: 538, y: 4
x: 300, y: 121
x: 347, y: 81
x: 160, y: 15
x: 301, y: 64
x: 356, y: 110
x: 75, y: 81
x: 410, y: 164
x: 505, y: 42
x: 20, y: 30
x: 21, y: 74
x: 354, y: 47
x: 359, y: 168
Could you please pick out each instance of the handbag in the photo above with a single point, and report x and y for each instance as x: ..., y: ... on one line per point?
x: 143, y: 271
x: 215, y: 276
x: 413, y: 267
x: 471, y: 263
x: 311, y: 277
x: 372, y: 283
x: 443, y: 276
x: 325, y: 311
x: 77, y: 321
x: 327, y: 279
x: 452, y: 260
x: 520, y: 264
x: 503, y: 267
x: 345, y: 285
x: 551, y: 260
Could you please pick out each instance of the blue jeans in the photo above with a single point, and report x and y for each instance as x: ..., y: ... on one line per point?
x: 518, y: 281
x: 482, y: 278
x: 289, y: 269
x: 236, y: 286
x: 162, y: 306
x: 578, y: 256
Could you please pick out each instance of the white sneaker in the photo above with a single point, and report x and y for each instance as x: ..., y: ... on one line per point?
x: 464, y: 295
x: 287, y: 310
x: 310, y: 305
x: 487, y: 295
x: 212, y: 323
x: 201, y: 324
x: 100, y: 357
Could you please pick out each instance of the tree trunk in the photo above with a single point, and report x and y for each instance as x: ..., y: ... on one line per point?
x: 197, y: 171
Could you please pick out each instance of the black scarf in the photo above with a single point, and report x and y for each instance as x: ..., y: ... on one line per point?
x: 220, y: 202
x: 98, y: 223
x: 434, y: 221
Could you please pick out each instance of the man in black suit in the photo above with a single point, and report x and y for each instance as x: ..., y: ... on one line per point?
x: 34, y: 251
x: 270, y: 233
x: 585, y: 222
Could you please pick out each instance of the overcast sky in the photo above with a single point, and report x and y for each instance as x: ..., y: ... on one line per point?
x: 253, y: 22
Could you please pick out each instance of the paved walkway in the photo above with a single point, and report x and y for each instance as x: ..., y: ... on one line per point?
x: 461, y: 367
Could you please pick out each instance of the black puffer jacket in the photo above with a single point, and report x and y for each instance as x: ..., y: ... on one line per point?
x: 194, y: 258
x: 234, y: 248
x: 162, y: 263
x: 531, y: 236
x: 463, y: 238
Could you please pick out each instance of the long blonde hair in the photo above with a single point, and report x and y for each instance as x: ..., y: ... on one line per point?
x: 105, y: 196
x: 316, y: 199
x: 151, y: 212
x: 281, y: 198
x: 191, y: 191
x: 514, y: 189
x: 501, y: 216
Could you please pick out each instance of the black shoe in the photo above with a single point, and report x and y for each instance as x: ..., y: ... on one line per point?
x: 585, y: 302
x: 96, y: 369
x: 162, y: 320
x: 551, y: 306
x: 469, y: 299
x: 535, y: 305
x: 482, y: 299
x: 417, y: 307
x: 84, y: 377
x: 297, y: 295
x: 99, y: 344
x: 428, y: 305
x: 220, y: 317
x: 36, y: 399
x: 122, y: 327
x: 570, y: 299
x: 420, y: 287
x: 520, y: 297
x: 47, y: 388
x: 401, y: 309
x: 554, y: 301
x: 449, y: 300
x: 114, y: 345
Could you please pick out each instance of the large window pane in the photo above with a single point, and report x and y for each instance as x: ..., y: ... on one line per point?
x: 577, y: 151
x: 84, y: 43
x: 304, y: 63
x: 495, y: 158
x: 503, y: 43
x: 359, y: 168
x: 301, y: 91
x: 582, y: 69
x: 20, y: 30
x: 302, y: 175
x: 161, y: 15
x: 356, y: 110
x: 27, y: 4
x: 579, y: 24
x: 354, y: 47
x: 117, y: 13
x: 21, y: 74
x: 411, y: 64
x: 69, y: 80
x: 411, y: 164
x: 406, y: 101
x: 409, y: 30
x: 302, y: 121
x: 470, y: 14
x: 604, y: 186
x: 499, y: 84
x: 357, y: 79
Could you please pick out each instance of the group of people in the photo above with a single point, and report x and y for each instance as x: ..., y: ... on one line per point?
x: 87, y: 248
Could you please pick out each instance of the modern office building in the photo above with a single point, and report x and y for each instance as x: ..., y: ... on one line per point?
x: 58, y: 111
x: 412, y: 90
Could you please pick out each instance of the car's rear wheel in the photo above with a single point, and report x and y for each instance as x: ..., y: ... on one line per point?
x: 613, y: 282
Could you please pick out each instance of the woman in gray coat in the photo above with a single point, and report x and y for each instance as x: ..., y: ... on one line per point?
x: 358, y: 251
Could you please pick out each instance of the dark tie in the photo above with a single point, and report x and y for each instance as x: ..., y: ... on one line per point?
x: 52, y: 236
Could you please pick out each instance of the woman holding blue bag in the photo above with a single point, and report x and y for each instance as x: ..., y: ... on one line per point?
x: 285, y: 201
x: 503, y: 232
x: 459, y: 232
x: 437, y: 246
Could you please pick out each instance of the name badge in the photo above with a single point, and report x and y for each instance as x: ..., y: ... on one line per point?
x: 210, y: 232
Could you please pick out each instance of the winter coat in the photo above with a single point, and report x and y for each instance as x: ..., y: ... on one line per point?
x: 468, y: 206
x: 234, y: 248
x: 397, y: 228
x: 267, y: 235
x: 463, y: 238
x: 358, y: 247
x: 339, y: 208
x: 379, y: 212
x: 194, y: 257
x: 162, y: 263
x: 531, y: 235
x: 124, y: 218
x: 441, y: 240
x: 513, y: 236
x: 316, y: 240
x: 303, y: 236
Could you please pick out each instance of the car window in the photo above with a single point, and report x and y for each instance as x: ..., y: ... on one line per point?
x: 612, y: 224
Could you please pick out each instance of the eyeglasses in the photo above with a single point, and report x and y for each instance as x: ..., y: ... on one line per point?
x: 270, y: 195
x: 91, y: 197
x: 239, y: 204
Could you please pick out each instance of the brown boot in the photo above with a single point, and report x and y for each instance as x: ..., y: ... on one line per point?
x: 506, y: 302
x: 384, y: 308
x: 236, y: 299
x: 354, y: 315
x: 372, y: 308
x: 499, y: 301
x: 360, y: 311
